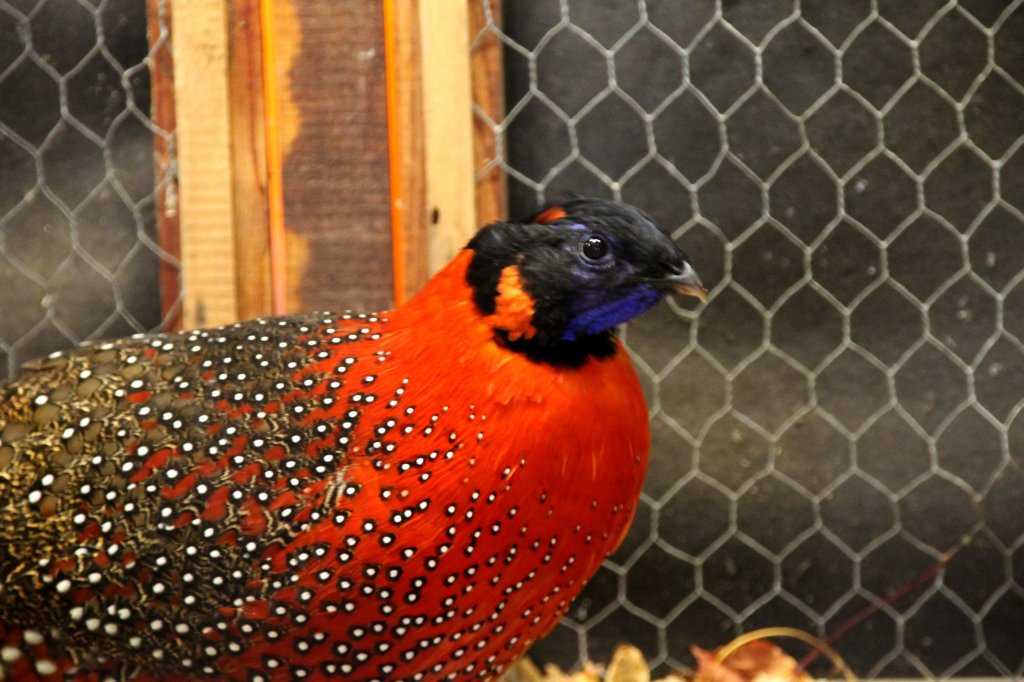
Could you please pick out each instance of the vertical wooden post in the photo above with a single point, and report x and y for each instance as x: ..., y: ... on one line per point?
x: 447, y: 128
x: 249, y: 160
x: 405, y: 146
x: 431, y: 109
x: 205, y: 162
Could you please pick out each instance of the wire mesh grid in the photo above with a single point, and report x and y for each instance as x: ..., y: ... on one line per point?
x: 80, y: 256
x: 839, y: 427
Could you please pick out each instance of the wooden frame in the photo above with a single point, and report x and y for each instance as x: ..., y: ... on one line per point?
x: 233, y: 109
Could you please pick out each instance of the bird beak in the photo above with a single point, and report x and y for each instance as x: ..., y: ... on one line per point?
x: 684, y: 283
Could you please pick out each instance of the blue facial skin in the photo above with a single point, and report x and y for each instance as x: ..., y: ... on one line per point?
x: 599, y: 309
x: 597, y: 315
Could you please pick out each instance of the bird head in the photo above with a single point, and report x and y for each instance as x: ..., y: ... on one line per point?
x: 566, y: 277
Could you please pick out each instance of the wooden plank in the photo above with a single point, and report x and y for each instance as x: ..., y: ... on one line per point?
x: 431, y: 109
x: 488, y: 80
x: 332, y: 130
x: 249, y: 160
x: 447, y: 128
x: 406, y: 150
x: 276, y: 132
x: 333, y: 141
x: 409, y: 212
x: 205, y: 162
x: 161, y: 66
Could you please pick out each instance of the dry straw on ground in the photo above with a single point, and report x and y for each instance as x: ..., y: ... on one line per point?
x: 749, y: 658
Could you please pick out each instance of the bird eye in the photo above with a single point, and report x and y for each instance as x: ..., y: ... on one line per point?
x: 595, y: 248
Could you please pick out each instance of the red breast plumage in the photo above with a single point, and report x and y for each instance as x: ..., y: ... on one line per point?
x: 413, y: 495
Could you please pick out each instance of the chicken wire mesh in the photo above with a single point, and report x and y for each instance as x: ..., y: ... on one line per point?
x: 80, y: 257
x: 843, y: 417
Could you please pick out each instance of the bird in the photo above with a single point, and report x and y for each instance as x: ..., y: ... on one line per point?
x: 415, y: 494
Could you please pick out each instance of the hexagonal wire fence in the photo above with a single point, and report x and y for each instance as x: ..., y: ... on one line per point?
x: 838, y: 424
x: 80, y: 257
x: 840, y: 427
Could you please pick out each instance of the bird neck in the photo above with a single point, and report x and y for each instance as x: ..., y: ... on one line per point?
x: 453, y: 354
x: 578, y: 429
x: 511, y: 324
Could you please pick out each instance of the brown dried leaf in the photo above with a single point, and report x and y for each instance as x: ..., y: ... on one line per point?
x: 524, y: 670
x: 757, y: 661
x: 628, y: 665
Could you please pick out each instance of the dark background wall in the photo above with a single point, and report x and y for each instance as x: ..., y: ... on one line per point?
x: 845, y: 412
x: 79, y: 257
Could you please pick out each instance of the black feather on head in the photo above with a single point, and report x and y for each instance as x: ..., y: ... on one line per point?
x: 586, y: 265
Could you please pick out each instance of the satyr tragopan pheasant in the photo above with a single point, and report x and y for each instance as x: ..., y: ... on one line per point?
x: 410, y: 495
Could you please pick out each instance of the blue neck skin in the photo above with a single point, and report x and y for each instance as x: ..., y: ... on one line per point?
x: 599, y: 313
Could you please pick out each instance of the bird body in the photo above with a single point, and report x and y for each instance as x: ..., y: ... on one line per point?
x: 417, y: 494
